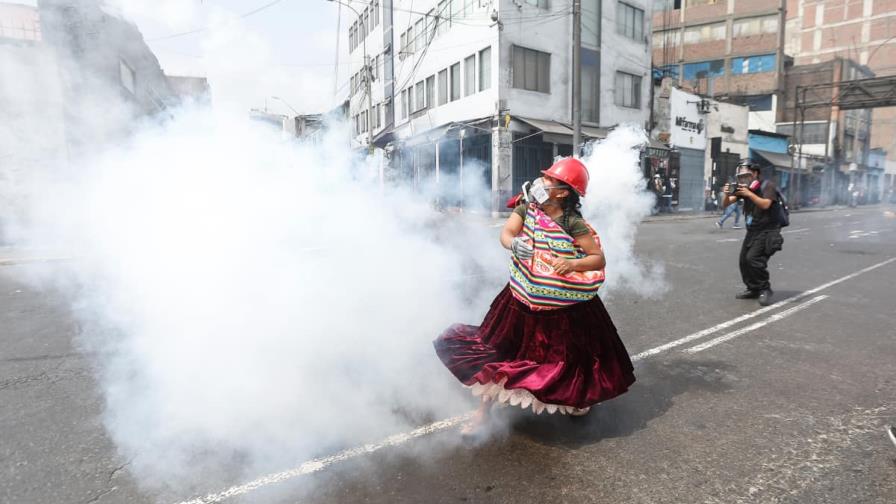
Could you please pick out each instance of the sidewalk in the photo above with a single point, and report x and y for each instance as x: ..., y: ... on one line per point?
x: 677, y: 216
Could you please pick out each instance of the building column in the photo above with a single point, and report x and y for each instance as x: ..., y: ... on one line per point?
x: 502, y: 168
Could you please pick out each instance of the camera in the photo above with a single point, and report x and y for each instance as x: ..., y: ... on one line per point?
x: 733, y: 187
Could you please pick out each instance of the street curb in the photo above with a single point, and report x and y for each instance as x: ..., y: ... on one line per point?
x: 705, y: 215
x: 27, y: 260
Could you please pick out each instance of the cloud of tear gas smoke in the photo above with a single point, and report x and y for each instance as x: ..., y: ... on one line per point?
x: 254, y: 302
x: 615, y: 204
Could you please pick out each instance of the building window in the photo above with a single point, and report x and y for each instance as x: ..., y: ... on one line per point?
x: 485, y: 68
x: 590, y: 98
x: 755, y: 26
x: 128, y: 77
x: 455, y: 81
x: 531, y: 69
x: 704, y: 33
x: 443, y: 87
x: 443, y: 14
x: 367, y: 26
x: 628, y: 90
x: 411, y: 45
x: 421, y: 31
x: 470, y: 75
x: 541, y: 4
x: 420, y: 94
x: 376, y: 12
x: 665, y: 38
x: 431, y: 91
x: 404, y: 104
x: 753, y: 64
x: 411, y: 101
x: 669, y: 71
x: 704, y: 69
x: 630, y: 21
x: 403, y: 47
x: 457, y: 7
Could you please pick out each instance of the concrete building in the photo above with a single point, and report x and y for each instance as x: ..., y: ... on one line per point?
x: 479, y: 91
x: 861, y: 30
x: 730, y: 50
x: 831, y: 146
x: 707, y: 137
x: 73, y: 74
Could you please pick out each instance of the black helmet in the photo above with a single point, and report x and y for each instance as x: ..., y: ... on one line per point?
x: 748, y: 163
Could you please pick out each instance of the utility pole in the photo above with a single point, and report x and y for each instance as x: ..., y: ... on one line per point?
x: 576, y: 76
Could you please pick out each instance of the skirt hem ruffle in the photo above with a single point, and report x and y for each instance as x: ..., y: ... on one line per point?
x: 497, y: 393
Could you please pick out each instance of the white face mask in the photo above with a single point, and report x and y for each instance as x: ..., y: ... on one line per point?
x: 539, y: 191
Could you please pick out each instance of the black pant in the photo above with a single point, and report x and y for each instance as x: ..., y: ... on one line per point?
x: 758, y: 247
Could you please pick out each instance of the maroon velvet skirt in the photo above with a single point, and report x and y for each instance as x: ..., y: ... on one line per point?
x: 563, y: 360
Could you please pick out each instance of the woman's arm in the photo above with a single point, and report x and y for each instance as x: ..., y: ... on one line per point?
x: 512, y: 228
x: 593, y: 261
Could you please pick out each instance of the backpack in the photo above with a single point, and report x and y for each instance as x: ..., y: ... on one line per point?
x: 781, y: 210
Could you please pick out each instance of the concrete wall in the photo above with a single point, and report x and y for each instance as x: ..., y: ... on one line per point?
x: 523, y: 27
x: 623, y: 54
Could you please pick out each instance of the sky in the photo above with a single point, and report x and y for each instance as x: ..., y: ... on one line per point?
x: 286, y: 49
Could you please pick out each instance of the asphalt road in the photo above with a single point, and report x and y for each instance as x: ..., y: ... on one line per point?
x: 788, y: 406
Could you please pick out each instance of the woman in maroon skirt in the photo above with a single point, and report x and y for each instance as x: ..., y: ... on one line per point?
x: 547, y: 342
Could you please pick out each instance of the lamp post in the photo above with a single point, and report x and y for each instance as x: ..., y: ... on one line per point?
x: 287, y: 104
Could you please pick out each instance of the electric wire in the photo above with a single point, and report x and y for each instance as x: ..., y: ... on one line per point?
x: 206, y: 28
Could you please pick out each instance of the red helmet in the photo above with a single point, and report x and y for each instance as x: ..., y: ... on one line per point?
x: 570, y: 171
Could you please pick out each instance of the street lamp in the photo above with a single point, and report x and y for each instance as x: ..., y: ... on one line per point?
x: 287, y: 104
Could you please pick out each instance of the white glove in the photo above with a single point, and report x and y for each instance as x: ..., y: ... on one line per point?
x: 521, y: 248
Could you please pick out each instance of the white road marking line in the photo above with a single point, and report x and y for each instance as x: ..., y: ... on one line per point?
x: 795, y: 230
x: 761, y: 311
x: 752, y: 327
x: 725, y: 240
x: 319, y: 464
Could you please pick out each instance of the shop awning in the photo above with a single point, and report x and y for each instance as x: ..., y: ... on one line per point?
x: 552, y: 131
x: 653, y: 143
x: 596, y: 133
x: 776, y: 159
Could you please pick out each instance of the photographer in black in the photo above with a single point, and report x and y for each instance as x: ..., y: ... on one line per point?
x: 763, y: 229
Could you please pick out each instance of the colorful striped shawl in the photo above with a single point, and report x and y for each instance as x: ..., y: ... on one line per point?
x: 534, y: 281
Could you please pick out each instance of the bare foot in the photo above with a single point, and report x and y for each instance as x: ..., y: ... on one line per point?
x: 476, y: 423
x: 579, y: 412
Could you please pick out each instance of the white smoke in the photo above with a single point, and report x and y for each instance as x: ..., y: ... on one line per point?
x: 615, y: 205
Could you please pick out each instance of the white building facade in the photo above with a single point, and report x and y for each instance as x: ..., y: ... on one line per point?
x: 480, y: 91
